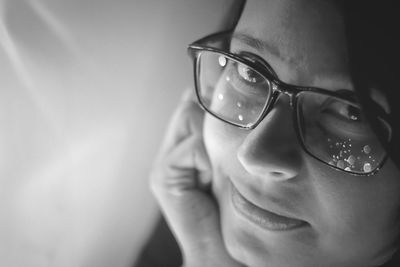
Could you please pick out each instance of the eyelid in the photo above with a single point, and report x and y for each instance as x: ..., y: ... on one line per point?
x: 379, y: 108
x: 348, y: 95
x: 257, y: 75
x: 240, y: 82
x: 331, y: 101
x: 258, y: 60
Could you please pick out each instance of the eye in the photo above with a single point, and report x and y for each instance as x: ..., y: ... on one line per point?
x: 345, y: 111
x: 341, y: 118
x: 248, y: 74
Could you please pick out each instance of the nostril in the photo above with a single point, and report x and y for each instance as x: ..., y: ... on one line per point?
x: 277, y: 174
x: 281, y: 175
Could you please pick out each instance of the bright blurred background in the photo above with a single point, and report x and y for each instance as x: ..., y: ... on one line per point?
x: 86, y: 90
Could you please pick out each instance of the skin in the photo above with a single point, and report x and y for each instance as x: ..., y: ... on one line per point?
x: 353, y: 220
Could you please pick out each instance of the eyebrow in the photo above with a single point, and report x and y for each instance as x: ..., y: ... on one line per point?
x: 259, y: 45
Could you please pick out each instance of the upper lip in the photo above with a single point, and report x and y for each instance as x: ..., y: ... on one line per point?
x: 268, y: 203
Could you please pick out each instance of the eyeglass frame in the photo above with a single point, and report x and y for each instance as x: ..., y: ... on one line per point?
x: 278, y: 87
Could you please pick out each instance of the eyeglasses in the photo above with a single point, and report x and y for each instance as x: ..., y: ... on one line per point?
x: 241, y: 89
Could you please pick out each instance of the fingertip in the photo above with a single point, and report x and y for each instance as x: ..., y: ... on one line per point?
x: 205, y: 180
x: 189, y: 95
x: 201, y: 159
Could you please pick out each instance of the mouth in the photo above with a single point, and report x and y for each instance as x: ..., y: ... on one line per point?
x: 264, y: 218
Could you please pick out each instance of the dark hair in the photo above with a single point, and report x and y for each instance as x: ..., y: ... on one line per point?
x: 373, y: 41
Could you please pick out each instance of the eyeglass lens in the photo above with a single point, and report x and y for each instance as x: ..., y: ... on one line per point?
x: 231, y: 90
x: 336, y: 132
x: 331, y: 129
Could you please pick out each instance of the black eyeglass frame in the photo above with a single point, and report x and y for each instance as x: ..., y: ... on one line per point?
x: 278, y: 87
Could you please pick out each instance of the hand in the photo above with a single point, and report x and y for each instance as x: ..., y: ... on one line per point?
x: 180, y: 179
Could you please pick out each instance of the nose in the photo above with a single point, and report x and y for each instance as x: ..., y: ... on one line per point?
x: 272, y: 149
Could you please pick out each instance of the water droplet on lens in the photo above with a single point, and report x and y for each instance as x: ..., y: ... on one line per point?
x: 351, y: 160
x: 340, y: 164
x: 220, y: 96
x: 367, y: 149
x: 222, y: 61
x: 367, y: 167
x: 240, y: 117
x: 228, y: 78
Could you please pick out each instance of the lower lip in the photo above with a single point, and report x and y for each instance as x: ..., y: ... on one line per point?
x: 265, y: 219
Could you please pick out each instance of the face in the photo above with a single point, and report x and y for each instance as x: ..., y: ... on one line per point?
x: 279, y: 206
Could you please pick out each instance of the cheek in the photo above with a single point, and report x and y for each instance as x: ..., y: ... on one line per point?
x: 222, y: 141
x: 361, y: 212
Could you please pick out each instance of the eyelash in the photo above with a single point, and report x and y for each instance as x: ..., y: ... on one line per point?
x: 241, y: 84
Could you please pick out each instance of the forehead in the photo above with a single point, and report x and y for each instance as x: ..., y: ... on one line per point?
x: 303, y: 40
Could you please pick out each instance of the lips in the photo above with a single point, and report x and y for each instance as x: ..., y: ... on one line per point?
x: 262, y: 217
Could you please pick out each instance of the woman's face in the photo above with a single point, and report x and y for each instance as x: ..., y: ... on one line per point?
x: 337, y: 219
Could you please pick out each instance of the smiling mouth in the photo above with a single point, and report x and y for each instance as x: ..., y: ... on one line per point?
x: 261, y: 217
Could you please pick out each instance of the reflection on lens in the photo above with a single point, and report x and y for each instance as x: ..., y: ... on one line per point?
x: 349, y: 156
x: 227, y: 93
x: 222, y: 61
x: 330, y: 133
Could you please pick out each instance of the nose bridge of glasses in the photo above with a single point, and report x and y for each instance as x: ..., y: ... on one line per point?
x: 278, y: 89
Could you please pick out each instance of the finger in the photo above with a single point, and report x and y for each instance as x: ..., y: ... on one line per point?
x: 176, y: 185
x: 187, y: 166
x: 197, y: 159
